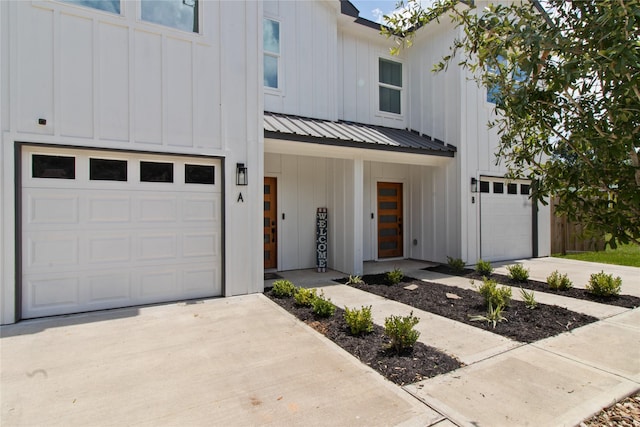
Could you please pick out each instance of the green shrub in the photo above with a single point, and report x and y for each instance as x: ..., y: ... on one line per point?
x: 394, y: 276
x: 494, y: 315
x: 604, y: 285
x: 559, y: 282
x: 359, y: 321
x: 354, y: 280
x: 529, y: 299
x: 305, y: 297
x: 455, y: 264
x: 323, y: 307
x: 484, y: 268
x: 400, y: 331
x: 494, y: 296
x: 518, y: 273
x: 283, y: 288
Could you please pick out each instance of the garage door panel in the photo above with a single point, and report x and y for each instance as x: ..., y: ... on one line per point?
x: 96, y: 244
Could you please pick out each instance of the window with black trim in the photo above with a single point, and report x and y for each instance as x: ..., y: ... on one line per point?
x: 107, y: 170
x: 179, y: 14
x: 112, y: 6
x: 156, y: 172
x: 390, y: 85
x: 484, y: 186
x: 56, y: 167
x: 199, y: 174
x: 512, y: 188
x: 524, y: 188
x: 498, y: 188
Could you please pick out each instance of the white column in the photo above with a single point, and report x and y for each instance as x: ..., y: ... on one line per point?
x: 358, y: 202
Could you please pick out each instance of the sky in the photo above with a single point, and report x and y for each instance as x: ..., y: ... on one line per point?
x: 374, y: 10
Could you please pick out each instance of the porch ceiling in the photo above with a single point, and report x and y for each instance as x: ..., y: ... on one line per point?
x: 348, y: 134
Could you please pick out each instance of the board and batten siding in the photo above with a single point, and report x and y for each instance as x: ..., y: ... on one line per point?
x: 110, y: 81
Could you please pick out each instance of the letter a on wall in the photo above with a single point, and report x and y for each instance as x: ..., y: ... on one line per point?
x: 321, y: 240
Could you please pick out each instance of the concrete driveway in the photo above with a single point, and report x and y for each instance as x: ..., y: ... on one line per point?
x: 234, y: 361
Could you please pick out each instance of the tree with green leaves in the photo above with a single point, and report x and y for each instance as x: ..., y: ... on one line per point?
x: 565, y: 76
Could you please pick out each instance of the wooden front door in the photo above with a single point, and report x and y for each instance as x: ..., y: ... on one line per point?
x: 270, y: 224
x: 390, y: 243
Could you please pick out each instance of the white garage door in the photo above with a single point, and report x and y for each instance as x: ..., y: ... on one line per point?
x: 103, y: 229
x: 506, y: 219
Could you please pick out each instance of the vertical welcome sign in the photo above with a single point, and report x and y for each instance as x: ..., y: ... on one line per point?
x: 321, y: 240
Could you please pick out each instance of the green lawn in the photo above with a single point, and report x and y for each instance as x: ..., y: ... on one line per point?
x: 623, y: 255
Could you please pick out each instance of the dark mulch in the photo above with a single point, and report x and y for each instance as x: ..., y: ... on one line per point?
x: 422, y: 362
x: 626, y: 301
x: 523, y: 324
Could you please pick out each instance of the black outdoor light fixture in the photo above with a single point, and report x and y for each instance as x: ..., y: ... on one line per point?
x: 474, y: 185
x: 241, y: 174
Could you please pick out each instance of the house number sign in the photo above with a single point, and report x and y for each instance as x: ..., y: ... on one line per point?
x: 321, y: 240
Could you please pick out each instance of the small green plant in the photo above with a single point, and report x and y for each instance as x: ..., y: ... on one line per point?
x: 394, y: 276
x: 359, y: 321
x: 354, y: 280
x: 529, y: 299
x: 400, y: 331
x: 604, y: 285
x: 493, y: 295
x: 494, y: 316
x: 559, y: 282
x: 283, y: 288
x: 455, y: 264
x: 518, y: 273
x: 322, y: 306
x: 484, y: 268
x: 305, y: 297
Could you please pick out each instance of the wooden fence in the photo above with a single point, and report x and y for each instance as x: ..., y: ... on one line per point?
x: 567, y: 236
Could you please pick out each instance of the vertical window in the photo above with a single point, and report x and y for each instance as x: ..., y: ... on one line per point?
x: 390, y: 85
x: 271, y: 45
x: 180, y: 14
x: 112, y: 6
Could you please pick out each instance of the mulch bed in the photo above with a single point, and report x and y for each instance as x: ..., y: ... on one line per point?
x: 522, y: 324
x: 420, y: 363
x: 626, y: 301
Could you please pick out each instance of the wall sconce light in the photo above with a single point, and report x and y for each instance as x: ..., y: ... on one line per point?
x: 474, y: 185
x: 241, y: 174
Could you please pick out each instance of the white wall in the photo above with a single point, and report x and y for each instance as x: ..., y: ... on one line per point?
x: 113, y: 81
x: 307, y: 73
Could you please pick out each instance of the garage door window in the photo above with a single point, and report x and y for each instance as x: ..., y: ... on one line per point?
x: 484, y: 186
x: 156, y: 172
x: 524, y: 189
x: 107, y: 170
x: 199, y: 174
x: 498, y: 188
x: 57, y: 167
x: 512, y: 188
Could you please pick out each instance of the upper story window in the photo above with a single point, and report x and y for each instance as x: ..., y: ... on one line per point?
x: 180, y: 14
x: 106, y: 5
x: 390, y: 85
x: 498, y: 67
x: 271, y: 40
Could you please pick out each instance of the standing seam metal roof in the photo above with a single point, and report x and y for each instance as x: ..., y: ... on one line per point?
x: 284, y: 126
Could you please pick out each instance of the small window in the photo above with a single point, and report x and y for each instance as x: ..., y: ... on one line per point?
x: 107, y: 170
x: 156, y: 172
x: 498, y: 188
x: 271, y: 47
x: 390, y: 86
x: 179, y: 14
x: 56, y: 167
x: 484, y: 186
x: 524, y: 189
x: 512, y: 188
x: 198, y: 174
x: 112, y: 6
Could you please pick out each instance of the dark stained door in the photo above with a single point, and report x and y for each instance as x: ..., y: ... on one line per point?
x: 270, y: 224
x: 390, y: 242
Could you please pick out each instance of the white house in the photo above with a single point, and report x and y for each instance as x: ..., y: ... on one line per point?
x: 130, y: 126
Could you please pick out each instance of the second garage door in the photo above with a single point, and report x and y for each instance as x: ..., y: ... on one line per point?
x: 105, y: 229
x: 506, y: 219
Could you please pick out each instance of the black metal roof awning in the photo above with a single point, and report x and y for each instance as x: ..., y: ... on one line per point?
x: 349, y: 134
